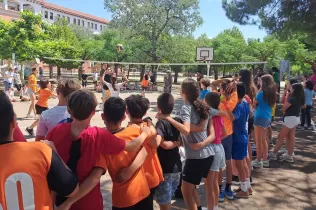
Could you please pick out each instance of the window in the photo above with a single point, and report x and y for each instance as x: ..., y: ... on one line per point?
x: 75, y: 21
x: 92, y: 25
x: 88, y: 24
x: 68, y: 18
x: 51, y: 16
x: 96, y: 26
x: 82, y: 23
x: 100, y: 27
x: 58, y: 15
x: 46, y: 14
x: 78, y: 22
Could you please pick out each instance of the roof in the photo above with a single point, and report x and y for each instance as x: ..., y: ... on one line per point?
x: 72, y: 12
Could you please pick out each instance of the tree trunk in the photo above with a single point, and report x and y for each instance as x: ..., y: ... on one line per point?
x: 175, y: 80
x: 51, y: 72
x: 215, y: 73
x: 128, y: 70
x: 142, y: 72
x: 58, y: 72
x: 224, y: 71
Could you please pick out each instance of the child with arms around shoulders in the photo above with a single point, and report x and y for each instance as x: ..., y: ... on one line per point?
x: 205, y: 83
x: 70, y: 138
x: 291, y: 111
x: 168, y: 153
x: 240, y: 117
x: 198, y: 162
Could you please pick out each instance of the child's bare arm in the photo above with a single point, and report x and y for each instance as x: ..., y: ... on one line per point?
x: 136, y: 143
x: 126, y: 173
x: 208, y: 140
x: 230, y: 115
x: 170, y: 144
x: 86, y: 186
x: 199, y: 127
x: 154, y: 142
x: 224, y: 133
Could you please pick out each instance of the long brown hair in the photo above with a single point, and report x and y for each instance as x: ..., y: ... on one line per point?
x: 191, y: 90
x: 113, y: 81
x: 247, y: 79
x: 268, y: 89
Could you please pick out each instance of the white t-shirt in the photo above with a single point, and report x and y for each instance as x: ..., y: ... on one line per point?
x: 50, y: 118
x: 95, y: 76
x: 17, y: 79
x: 10, y: 74
x: 114, y: 93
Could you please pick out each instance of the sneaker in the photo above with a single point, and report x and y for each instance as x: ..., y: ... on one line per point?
x: 257, y: 164
x: 273, y: 156
x: 242, y: 194
x: 229, y: 194
x: 266, y: 163
x: 30, y: 131
x: 271, y: 142
x: 29, y: 116
x: 282, y: 150
x: 299, y: 127
x: 250, y: 191
x: 287, y: 158
x: 235, y: 180
x: 310, y: 128
x: 221, y: 197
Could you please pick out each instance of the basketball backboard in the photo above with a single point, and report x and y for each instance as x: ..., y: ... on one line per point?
x: 204, y: 53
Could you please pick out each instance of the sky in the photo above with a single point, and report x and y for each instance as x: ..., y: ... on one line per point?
x: 212, y: 13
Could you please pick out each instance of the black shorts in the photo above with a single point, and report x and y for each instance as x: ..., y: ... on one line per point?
x: 146, y: 204
x: 84, y: 83
x: 18, y: 86
x: 196, y: 169
x: 40, y: 109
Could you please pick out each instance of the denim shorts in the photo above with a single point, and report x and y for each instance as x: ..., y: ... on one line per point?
x: 219, y: 158
x: 262, y: 122
x: 167, y: 188
x: 228, y: 144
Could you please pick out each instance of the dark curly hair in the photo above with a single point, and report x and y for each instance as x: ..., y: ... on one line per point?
x: 190, y: 88
x: 137, y: 106
x: 224, y: 86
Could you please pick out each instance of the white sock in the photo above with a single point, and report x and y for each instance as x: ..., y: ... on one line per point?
x: 248, y: 183
x: 243, y: 186
x: 216, y: 208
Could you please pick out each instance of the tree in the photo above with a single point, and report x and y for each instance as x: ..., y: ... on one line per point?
x: 150, y: 19
x: 178, y: 49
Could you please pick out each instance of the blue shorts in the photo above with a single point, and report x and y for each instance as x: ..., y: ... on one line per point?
x: 262, y: 122
x: 240, y: 150
x: 166, y: 189
x: 228, y: 144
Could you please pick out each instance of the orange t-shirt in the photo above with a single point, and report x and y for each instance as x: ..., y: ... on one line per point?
x: 44, y: 95
x: 32, y: 82
x: 145, y: 83
x: 134, y: 190
x: 230, y: 104
x: 24, y: 167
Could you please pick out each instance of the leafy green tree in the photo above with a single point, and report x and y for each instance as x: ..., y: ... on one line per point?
x: 151, y: 19
x: 178, y: 49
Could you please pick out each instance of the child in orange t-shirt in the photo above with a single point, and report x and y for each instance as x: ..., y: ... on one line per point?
x: 133, y: 193
x: 137, y: 107
x: 44, y: 93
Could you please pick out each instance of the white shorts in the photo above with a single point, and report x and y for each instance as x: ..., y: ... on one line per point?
x: 291, y: 121
x: 30, y: 91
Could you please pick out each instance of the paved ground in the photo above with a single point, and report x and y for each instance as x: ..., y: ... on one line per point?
x: 283, y: 186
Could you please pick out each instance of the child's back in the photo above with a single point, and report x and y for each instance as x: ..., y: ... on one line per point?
x: 169, y: 158
x: 136, y: 189
x: 241, y: 114
x: 309, y: 95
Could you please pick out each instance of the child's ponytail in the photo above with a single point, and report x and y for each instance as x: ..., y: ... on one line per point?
x: 201, y: 108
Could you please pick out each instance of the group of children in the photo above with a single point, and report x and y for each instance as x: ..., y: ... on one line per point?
x: 143, y: 160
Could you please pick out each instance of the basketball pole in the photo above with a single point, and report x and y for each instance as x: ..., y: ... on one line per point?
x: 208, y: 69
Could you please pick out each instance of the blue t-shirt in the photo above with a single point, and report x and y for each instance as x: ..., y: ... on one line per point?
x: 203, y: 94
x: 240, y: 124
x: 263, y: 110
x: 309, y: 95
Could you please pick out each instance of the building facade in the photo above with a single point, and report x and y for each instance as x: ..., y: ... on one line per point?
x: 10, y: 11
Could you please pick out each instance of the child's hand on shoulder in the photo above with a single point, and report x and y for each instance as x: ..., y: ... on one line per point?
x: 197, y: 146
x: 50, y: 144
x: 161, y: 116
x: 145, y: 130
x: 64, y: 206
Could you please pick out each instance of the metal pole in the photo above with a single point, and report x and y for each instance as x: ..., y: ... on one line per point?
x: 208, y: 70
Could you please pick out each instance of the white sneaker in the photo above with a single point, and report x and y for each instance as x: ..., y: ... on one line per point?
x: 266, y: 163
x: 257, y: 164
x: 101, y: 107
x: 282, y: 150
x: 29, y: 116
x: 273, y: 156
x: 287, y: 158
